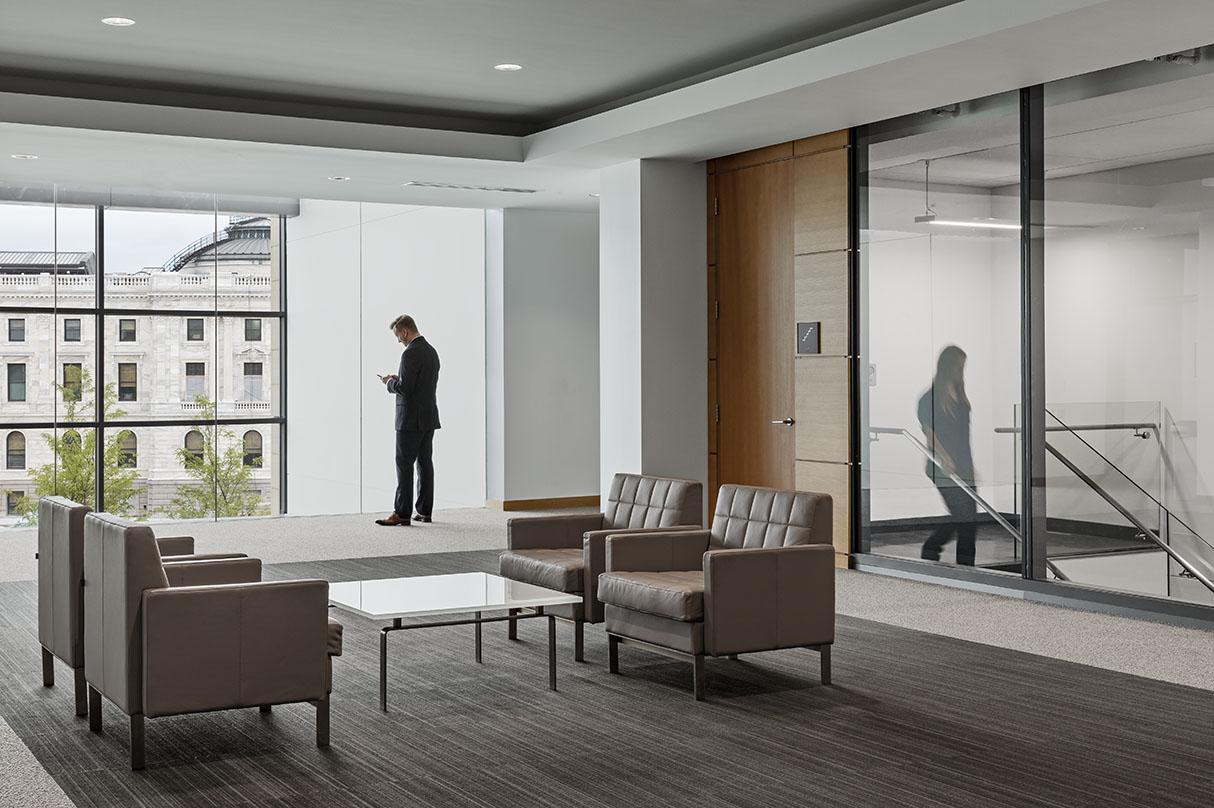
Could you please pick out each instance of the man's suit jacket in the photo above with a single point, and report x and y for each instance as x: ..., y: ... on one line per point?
x: 416, y: 388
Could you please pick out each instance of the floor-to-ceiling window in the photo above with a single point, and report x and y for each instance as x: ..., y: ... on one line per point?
x: 142, y: 354
x: 1104, y: 270
x: 939, y: 291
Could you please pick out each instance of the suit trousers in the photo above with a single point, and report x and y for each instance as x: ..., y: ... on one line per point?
x: 414, y: 447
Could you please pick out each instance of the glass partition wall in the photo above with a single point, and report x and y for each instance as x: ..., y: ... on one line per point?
x: 141, y: 355
x: 1076, y: 219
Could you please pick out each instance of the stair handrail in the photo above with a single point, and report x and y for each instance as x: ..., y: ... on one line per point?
x: 964, y: 486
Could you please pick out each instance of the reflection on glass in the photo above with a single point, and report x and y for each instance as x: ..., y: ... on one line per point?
x: 940, y: 324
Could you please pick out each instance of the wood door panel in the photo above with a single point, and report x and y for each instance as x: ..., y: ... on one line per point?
x: 756, y: 331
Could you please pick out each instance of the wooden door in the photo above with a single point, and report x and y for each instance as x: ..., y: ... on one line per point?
x: 756, y: 339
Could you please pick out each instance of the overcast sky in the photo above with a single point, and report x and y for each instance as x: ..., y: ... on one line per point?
x: 133, y: 239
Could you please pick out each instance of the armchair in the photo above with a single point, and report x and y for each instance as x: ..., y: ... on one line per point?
x: 567, y: 552
x: 761, y: 579
x: 60, y: 578
x: 156, y: 649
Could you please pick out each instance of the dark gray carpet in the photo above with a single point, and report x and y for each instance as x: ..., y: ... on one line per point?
x: 913, y: 719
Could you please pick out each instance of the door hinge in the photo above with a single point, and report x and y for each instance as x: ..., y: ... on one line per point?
x: 716, y: 206
x: 716, y: 310
x: 717, y: 413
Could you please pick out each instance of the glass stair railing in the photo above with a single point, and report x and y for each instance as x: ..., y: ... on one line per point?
x: 1098, y: 488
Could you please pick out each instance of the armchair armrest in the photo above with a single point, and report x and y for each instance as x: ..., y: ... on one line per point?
x: 659, y: 551
x: 199, y: 571
x: 550, y: 532
x: 763, y: 599
x: 175, y: 545
x: 594, y: 562
x: 238, y: 645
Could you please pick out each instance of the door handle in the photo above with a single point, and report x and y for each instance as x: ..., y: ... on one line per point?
x: 785, y: 421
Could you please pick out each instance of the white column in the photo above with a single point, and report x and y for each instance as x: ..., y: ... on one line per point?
x: 542, y: 372
x: 652, y: 320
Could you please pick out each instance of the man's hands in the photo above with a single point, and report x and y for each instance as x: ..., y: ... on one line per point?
x: 388, y: 378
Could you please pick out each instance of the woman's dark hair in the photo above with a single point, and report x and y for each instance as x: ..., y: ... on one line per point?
x: 949, y: 383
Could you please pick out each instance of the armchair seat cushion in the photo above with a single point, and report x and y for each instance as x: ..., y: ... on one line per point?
x: 559, y: 569
x: 674, y: 595
x: 334, y: 638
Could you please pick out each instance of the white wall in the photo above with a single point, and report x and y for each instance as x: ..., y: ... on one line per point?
x: 653, y: 320
x: 351, y: 269
x: 542, y: 273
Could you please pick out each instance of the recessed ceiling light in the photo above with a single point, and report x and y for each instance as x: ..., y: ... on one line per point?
x: 24, y: 156
x: 339, y: 179
x: 507, y: 67
x: 118, y: 22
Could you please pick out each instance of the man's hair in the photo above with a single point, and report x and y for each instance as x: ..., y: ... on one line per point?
x: 403, y: 321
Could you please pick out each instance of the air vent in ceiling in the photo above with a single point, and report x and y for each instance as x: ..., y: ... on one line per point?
x: 447, y: 186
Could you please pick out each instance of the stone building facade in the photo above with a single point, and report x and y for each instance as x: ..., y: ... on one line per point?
x: 157, y: 364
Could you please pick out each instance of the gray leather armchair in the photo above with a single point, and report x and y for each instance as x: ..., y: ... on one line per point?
x: 567, y: 552
x: 60, y: 577
x: 166, y: 639
x: 762, y: 578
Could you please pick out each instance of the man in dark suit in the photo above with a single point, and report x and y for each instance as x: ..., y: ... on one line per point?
x: 415, y: 386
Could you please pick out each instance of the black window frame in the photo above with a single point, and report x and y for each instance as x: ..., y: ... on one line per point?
x: 100, y: 310
x: 253, y: 459
x: 19, y: 322
x: 12, y: 500
x: 77, y: 384
x: 9, y: 454
x: 195, y: 336
x: 122, y: 333
x: 248, y: 321
x: 79, y: 331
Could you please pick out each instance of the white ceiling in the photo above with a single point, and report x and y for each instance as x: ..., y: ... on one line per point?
x: 419, y: 55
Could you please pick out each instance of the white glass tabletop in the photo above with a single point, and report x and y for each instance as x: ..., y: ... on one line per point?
x: 426, y: 595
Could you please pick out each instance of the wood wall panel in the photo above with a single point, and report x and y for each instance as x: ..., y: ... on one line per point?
x: 823, y: 409
x: 754, y: 157
x: 713, y: 322
x: 833, y: 479
x: 754, y: 354
x: 712, y: 212
x: 712, y: 406
x: 820, y: 143
x: 821, y: 210
x: 821, y: 295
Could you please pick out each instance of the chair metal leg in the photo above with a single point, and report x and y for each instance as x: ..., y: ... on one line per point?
x: 265, y: 708
x: 82, y: 696
x: 697, y: 667
x: 94, y: 709
x: 322, y: 722
x: 613, y: 653
x: 551, y: 652
x: 137, y: 759
x: 48, y: 668
x: 824, y: 653
x: 513, y: 624
x: 579, y: 640
x: 478, y: 637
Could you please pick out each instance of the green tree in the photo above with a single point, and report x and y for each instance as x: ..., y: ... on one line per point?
x: 72, y: 472
x: 224, y: 484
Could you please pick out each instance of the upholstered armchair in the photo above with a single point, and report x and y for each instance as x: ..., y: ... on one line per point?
x: 60, y: 577
x: 166, y: 639
x: 761, y: 579
x: 567, y: 552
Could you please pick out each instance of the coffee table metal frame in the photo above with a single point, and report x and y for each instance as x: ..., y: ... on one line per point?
x: 478, y: 620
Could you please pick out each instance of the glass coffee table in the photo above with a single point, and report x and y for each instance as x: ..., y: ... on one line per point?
x: 465, y: 593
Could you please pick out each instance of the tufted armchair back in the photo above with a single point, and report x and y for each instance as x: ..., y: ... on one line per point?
x: 60, y: 573
x: 121, y: 560
x: 638, y: 500
x: 747, y: 516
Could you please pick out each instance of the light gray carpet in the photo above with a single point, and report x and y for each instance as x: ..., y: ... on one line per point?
x: 23, y: 781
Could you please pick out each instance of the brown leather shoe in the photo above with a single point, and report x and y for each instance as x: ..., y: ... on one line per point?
x: 392, y: 520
